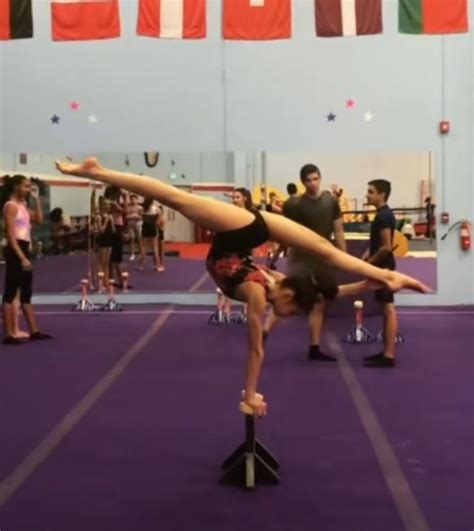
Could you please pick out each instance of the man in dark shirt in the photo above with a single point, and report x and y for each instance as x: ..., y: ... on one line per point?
x: 320, y: 212
x: 292, y: 191
x: 380, y: 253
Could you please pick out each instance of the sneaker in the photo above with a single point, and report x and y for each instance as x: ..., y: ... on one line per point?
x: 320, y: 356
x: 379, y: 361
x: 10, y: 340
x: 36, y: 336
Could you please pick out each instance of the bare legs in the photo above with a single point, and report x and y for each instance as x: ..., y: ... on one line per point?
x: 9, y: 316
x: 390, y: 329
x: 161, y: 254
x: 150, y: 243
x: 220, y: 216
x: 216, y: 215
x: 315, y: 320
x: 17, y: 332
x: 104, y: 261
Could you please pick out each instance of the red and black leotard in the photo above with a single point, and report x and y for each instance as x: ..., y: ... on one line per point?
x: 229, y: 261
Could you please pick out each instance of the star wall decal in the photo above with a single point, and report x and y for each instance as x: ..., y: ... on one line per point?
x: 350, y: 103
x: 368, y: 117
x: 55, y: 119
x: 92, y: 119
x: 331, y: 117
x: 74, y: 105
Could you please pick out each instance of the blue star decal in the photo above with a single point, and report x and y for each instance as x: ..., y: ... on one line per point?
x: 55, y: 119
x: 331, y: 117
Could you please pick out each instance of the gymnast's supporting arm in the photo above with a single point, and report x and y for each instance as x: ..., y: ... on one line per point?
x: 256, y: 304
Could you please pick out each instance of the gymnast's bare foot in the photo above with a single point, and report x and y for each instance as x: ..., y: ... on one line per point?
x: 87, y: 168
x: 20, y: 334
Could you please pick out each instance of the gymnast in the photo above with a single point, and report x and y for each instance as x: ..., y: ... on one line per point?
x: 236, y: 229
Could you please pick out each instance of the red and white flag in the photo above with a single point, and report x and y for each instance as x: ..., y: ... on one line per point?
x: 341, y: 18
x: 172, y: 19
x: 257, y: 19
x: 79, y: 20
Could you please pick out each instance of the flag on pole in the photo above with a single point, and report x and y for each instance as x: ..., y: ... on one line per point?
x: 257, y: 19
x: 342, y: 18
x: 16, y: 19
x: 79, y: 20
x: 433, y: 16
x: 172, y: 19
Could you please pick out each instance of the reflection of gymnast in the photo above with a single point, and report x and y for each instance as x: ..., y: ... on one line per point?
x: 105, y: 229
x: 151, y: 233
x: 236, y: 273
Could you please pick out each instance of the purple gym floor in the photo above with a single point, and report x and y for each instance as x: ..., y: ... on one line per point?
x: 57, y: 274
x: 145, y: 454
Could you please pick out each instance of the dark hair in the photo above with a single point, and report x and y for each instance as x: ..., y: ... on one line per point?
x: 9, y: 185
x: 382, y: 186
x: 56, y: 215
x: 147, y: 203
x: 247, y: 197
x: 291, y: 188
x: 307, y: 169
x: 40, y: 184
x: 113, y: 193
x: 308, y: 290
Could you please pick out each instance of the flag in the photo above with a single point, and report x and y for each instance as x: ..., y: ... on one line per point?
x: 341, y: 18
x: 80, y: 20
x: 257, y: 19
x: 16, y: 19
x: 432, y: 16
x: 172, y: 19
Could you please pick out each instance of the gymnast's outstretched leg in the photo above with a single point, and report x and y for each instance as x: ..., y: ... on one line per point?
x: 215, y: 215
x: 222, y: 217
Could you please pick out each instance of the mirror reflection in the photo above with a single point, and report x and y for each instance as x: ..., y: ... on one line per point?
x: 101, y: 233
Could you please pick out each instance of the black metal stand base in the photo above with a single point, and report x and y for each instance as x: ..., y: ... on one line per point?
x: 251, y: 463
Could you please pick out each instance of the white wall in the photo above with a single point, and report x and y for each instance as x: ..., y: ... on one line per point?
x: 214, y: 95
x: 352, y: 171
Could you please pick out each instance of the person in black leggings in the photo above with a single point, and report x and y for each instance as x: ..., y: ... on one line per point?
x: 17, y: 218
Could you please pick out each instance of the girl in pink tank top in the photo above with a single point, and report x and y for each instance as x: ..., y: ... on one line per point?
x: 17, y: 219
x: 22, y: 220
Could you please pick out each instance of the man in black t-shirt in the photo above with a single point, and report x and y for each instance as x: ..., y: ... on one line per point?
x: 292, y: 191
x: 380, y: 253
x: 318, y: 211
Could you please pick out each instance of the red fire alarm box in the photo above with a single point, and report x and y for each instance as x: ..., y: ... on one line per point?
x: 444, y: 127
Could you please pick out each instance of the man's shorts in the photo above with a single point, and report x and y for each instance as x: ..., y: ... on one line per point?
x: 303, y: 266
